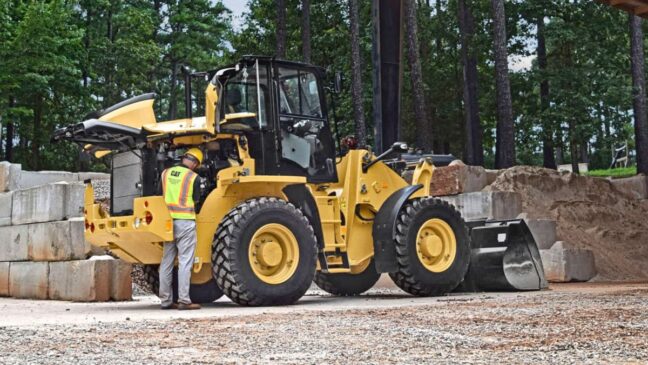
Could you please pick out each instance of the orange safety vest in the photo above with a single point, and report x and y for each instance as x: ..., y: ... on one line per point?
x: 177, y: 187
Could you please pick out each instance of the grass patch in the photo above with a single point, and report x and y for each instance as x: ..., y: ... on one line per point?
x: 614, y: 173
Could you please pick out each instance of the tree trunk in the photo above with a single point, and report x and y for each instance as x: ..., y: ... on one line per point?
x: 356, y: 75
x: 36, y: 135
x: 438, y: 41
x: 9, y: 137
x: 474, y: 151
x: 573, y: 147
x: 281, y: 29
x: 547, y: 133
x: 423, y: 127
x: 639, y: 93
x: 505, y: 151
x: 306, y: 31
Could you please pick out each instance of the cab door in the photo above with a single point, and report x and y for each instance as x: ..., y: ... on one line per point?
x: 306, y: 144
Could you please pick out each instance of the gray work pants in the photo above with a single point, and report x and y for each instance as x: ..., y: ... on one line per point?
x: 184, y: 246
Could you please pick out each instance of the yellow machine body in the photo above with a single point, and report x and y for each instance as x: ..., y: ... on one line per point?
x: 137, y: 240
x: 353, y: 202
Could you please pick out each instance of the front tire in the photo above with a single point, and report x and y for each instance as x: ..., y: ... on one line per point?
x: 264, y: 253
x: 348, y: 284
x: 432, y: 246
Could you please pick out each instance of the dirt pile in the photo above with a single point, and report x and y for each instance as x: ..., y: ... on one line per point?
x: 590, y: 213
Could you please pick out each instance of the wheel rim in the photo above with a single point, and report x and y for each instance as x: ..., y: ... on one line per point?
x: 273, y: 253
x: 436, y: 245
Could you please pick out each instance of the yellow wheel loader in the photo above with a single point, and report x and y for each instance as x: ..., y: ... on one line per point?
x: 279, y: 208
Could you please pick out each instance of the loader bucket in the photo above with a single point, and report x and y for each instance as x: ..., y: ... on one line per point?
x: 504, y: 257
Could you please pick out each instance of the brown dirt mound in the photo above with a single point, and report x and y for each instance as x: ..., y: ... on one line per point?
x: 591, y: 213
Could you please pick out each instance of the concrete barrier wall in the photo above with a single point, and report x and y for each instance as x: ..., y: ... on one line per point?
x: 43, y: 251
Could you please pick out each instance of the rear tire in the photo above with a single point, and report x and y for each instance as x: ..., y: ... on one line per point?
x: 435, y: 265
x: 198, y: 293
x: 348, y: 284
x: 264, y: 253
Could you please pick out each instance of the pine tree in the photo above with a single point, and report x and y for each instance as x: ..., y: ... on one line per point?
x: 505, y: 147
x: 356, y: 75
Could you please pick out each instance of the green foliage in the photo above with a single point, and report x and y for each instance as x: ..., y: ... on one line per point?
x: 614, y: 173
x: 61, y: 59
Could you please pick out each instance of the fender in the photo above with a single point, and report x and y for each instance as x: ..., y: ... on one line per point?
x: 384, y: 228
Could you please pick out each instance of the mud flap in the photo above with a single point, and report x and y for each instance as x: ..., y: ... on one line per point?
x: 504, y: 257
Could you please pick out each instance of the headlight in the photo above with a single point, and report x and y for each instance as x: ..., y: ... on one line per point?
x: 137, y: 223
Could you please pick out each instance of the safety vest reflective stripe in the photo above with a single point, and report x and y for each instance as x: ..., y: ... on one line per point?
x: 185, y: 188
x: 175, y: 208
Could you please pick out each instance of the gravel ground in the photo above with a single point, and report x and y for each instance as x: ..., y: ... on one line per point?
x: 602, y: 324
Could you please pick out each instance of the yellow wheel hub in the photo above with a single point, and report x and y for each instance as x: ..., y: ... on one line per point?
x: 273, y: 253
x: 436, y: 245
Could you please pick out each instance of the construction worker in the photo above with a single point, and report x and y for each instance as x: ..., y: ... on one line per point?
x: 181, y: 190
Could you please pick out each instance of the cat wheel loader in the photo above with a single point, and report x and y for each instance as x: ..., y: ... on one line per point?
x: 279, y: 208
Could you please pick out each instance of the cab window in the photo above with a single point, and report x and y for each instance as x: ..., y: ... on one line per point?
x: 242, y: 95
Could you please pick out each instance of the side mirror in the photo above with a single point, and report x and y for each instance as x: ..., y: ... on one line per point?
x: 399, y: 147
x: 337, y: 85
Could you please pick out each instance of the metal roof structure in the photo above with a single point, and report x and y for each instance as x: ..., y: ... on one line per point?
x: 636, y: 7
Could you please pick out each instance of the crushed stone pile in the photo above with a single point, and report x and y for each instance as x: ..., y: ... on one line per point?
x: 590, y: 213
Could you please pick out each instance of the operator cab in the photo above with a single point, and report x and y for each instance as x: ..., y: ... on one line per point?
x: 281, y: 109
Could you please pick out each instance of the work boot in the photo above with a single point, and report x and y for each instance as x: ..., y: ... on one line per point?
x: 190, y: 306
x: 170, y: 306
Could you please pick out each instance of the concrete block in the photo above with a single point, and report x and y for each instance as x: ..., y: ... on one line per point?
x: 491, y: 176
x: 457, y: 179
x: 94, y: 176
x: 74, y: 199
x: 121, y: 284
x: 14, y: 243
x: 6, y: 200
x: 82, y: 280
x: 563, y: 263
x: 487, y: 204
x: 544, y: 232
x: 77, y: 237
x: 29, y: 280
x: 635, y: 187
x: 39, y: 204
x: 57, y: 241
x: 9, y: 176
x: 30, y: 179
x: 4, y: 279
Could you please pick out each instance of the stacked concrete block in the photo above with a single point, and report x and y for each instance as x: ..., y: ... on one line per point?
x: 6, y: 200
x: 9, y: 176
x: 43, y: 251
x: 29, y: 280
x: 94, y: 176
x: 4, y: 279
x: 563, y: 263
x: 14, y: 243
x: 86, y: 280
x: 121, y: 284
x: 487, y: 204
x: 47, y: 203
x: 30, y: 179
x: 39, y: 204
x: 57, y: 241
x: 543, y: 230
